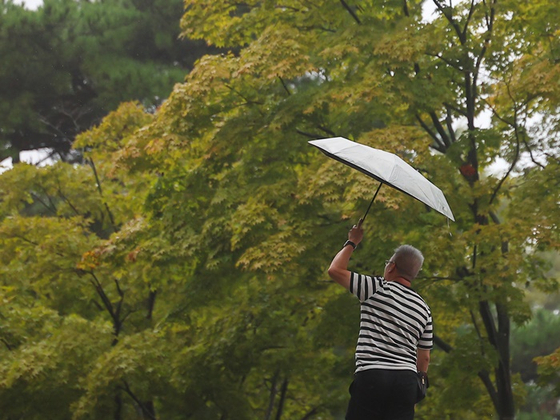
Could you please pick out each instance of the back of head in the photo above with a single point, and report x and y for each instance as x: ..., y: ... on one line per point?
x: 408, y: 261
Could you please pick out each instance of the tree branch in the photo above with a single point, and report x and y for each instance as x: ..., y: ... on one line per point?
x: 310, y: 413
x: 113, y: 312
x: 448, y: 13
x: 475, y: 324
x: 449, y: 123
x: 349, y: 9
x: 8, y: 346
x: 99, y: 289
x: 327, y: 130
x: 467, y: 21
x: 490, y: 326
x: 517, y: 147
x: 442, y: 344
x: 531, y: 153
x: 53, y: 205
x: 456, y: 65
x: 98, y: 183
x: 456, y: 109
x: 144, y: 409
x: 504, y: 325
x: 284, y: 85
x: 272, y: 396
x: 34, y: 243
x: 310, y: 135
x: 151, y: 303
x: 39, y: 200
x: 440, y: 129
x: 487, y: 39
x: 247, y: 101
x: 485, y: 377
x: 96, y: 303
x: 76, y: 212
x: 439, y: 146
x: 283, y: 391
x: 118, y: 321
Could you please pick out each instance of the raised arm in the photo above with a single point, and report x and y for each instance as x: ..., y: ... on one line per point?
x: 338, y: 270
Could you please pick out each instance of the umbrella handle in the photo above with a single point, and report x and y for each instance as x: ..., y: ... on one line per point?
x: 371, y: 202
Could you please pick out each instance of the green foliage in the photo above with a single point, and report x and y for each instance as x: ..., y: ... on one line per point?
x: 539, y: 403
x: 536, y: 338
x: 549, y: 370
x: 193, y: 245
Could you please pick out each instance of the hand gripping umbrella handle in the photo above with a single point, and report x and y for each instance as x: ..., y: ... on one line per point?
x: 371, y: 202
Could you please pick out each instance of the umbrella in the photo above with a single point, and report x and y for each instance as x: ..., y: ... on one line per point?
x: 386, y: 168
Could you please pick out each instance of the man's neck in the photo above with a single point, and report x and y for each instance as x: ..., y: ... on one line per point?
x: 402, y: 280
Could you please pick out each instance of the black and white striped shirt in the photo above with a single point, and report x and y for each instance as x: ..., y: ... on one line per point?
x: 395, y: 321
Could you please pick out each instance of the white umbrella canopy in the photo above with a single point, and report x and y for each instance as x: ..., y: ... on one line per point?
x: 386, y: 168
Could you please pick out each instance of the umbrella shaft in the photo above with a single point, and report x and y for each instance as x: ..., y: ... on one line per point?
x: 371, y: 202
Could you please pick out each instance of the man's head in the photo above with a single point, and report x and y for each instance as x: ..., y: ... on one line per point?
x: 406, y: 262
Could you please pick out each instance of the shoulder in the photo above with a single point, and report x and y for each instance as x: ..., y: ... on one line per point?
x: 422, y: 303
x: 364, y: 286
x: 416, y: 299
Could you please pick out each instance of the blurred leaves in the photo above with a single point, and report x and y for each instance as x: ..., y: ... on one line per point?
x: 188, y: 255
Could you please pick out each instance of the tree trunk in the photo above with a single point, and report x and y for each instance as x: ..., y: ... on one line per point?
x: 499, y: 339
x: 117, y: 414
x: 503, y: 371
x: 148, y: 410
x: 283, y: 391
x: 273, y: 392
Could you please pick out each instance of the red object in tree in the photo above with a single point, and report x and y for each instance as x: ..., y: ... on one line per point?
x: 467, y: 170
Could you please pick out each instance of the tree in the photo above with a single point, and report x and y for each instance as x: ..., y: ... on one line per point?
x: 62, y: 312
x: 71, y: 62
x: 105, y: 310
x: 377, y: 73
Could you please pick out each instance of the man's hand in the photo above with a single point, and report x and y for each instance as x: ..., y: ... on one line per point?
x: 356, y: 234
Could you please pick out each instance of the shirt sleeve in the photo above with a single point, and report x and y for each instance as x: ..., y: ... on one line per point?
x: 363, y: 287
x: 426, y: 341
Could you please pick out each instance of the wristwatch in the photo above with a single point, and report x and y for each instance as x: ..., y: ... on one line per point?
x: 349, y: 243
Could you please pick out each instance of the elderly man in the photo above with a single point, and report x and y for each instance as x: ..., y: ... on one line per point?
x: 395, y: 334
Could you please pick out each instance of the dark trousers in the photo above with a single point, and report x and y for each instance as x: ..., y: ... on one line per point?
x: 379, y: 394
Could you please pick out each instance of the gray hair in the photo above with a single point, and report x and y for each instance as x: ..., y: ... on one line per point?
x: 408, y: 261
